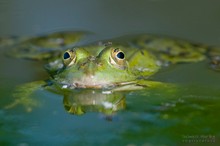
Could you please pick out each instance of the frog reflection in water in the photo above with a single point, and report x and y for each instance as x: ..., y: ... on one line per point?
x: 124, y: 65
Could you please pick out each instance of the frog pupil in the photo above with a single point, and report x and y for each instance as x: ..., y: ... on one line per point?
x: 66, y: 55
x: 120, y: 55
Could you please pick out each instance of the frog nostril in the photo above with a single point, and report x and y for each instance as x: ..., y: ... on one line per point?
x: 120, y: 55
x: 66, y: 55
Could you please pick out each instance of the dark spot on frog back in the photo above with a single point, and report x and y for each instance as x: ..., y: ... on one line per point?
x: 166, y: 50
x: 183, y: 54
x: 196, y: 45
x: 136, y: 42
x: 148, y: 40
x: 180, y: 45
x: 142, y: 52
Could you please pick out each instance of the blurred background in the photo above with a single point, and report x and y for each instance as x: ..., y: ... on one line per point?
x: 151, y: 118
x: 196, y: 20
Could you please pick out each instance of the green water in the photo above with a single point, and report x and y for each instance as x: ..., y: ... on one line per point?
x: 187, y: 116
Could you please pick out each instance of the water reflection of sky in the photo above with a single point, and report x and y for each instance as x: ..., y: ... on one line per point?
x: 196, y: 20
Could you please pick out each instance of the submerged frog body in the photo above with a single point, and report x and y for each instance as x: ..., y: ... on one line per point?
x: 124, y: 64
x: 42, y: 47
x: 169, y: 50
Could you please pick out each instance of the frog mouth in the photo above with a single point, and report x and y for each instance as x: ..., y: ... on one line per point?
x: 88, y: 81
x: 95, y: 85
x: 76, y: 85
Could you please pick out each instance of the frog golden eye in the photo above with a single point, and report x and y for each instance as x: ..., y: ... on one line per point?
x: 117, y: 58
x: 69, y: 57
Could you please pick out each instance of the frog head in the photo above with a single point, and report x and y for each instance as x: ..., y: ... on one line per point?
x: 110, y: 67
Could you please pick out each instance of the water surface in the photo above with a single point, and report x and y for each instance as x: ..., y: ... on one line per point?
x: 188, y: 116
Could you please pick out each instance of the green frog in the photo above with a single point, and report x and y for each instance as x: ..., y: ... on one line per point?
x: 110, y: 68
x: 115, y: 65
x: 42, y: 47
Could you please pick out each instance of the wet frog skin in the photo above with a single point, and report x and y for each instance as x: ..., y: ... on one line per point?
x: 41, y: 47
x: 115, y: 65
x: 111, y: 67
x: 127, y: 61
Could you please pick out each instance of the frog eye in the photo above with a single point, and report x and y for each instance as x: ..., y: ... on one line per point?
x: 117, y: 58
x: 120, y: 55
x: 69, y: 57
